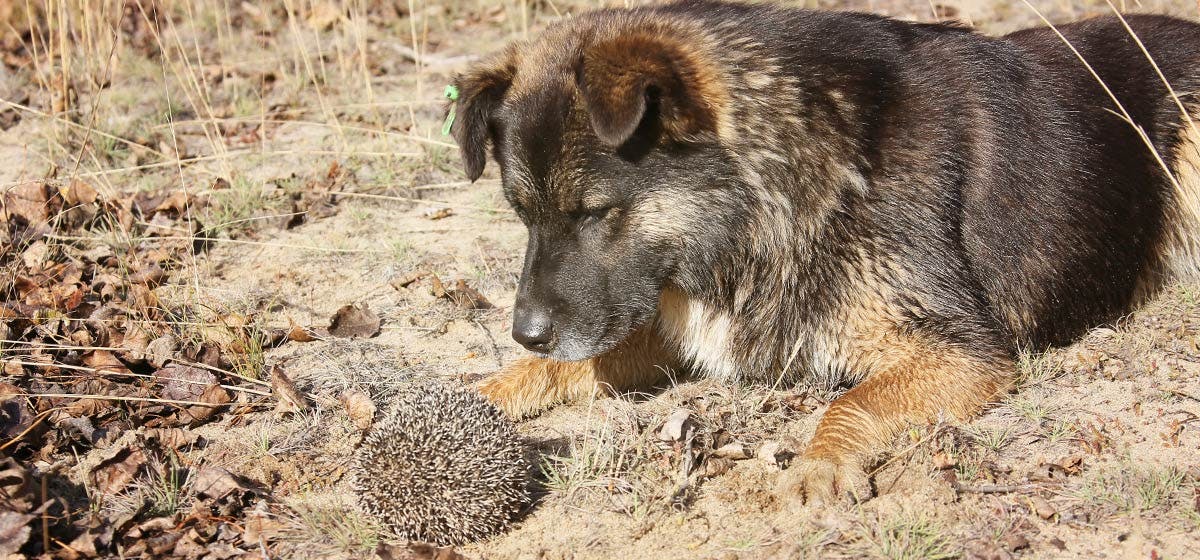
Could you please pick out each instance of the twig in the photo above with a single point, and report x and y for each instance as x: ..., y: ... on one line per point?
x: 132, y: 374
x: 140, y: 399
x: 993, y: 488
x: 422, y: 201
x: 491, y: 342
x: 36, y: 422
x: 1178, y: 393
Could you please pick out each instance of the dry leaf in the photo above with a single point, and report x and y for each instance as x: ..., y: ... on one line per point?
x: 407, y: 280
x: 111, y: 476
x: 14, y: 532
x: 261, y: 528
x: 675, y: 428
x: 438, y: 213
x: 290, y: 398
x: 300, y: 334
x: 216, y: 483
x: 733, y: 450
x: 184, y: 383
x: 1042, y: 507
x: 354, y: 322
x: 716, y: 466
x: 78, y: 192
x: 161, y: 350
x: 104, y: 361
x: 172, y: 438
x: 462, y: 295
x: 359, y: 407
x: 214, y: 397
x: 134, y: 345
x: 36, y: 255
x: 942, y: 461
x: 28, y: 201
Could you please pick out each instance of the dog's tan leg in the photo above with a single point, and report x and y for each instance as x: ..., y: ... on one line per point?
x: 913, y: 381
x: 531, y: 385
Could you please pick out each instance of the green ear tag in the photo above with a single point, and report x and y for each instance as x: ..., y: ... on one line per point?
x: 451, y: 93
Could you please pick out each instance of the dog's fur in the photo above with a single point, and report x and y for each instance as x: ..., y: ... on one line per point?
x: 751, y: 192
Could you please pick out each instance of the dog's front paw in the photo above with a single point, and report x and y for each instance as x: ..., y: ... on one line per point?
x: 825, y: 482
x: 508, y: 392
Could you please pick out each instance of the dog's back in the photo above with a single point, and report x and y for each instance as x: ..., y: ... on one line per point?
x: 1095, y: 211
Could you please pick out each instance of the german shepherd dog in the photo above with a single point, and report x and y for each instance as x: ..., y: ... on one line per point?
x: 752, y: 193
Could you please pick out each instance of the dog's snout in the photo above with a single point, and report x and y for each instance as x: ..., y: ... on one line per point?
x: 534, y: 330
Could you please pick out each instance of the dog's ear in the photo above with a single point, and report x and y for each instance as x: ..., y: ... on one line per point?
x: 625, y: 78
x: 480, y: 91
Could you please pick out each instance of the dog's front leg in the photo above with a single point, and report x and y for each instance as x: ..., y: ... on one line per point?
x: 531, y: 385
x: 914, y: 381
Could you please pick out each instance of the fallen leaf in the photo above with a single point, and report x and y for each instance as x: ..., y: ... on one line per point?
x: 184, y: 383
x: 104, y: 361
x: 407, y: 280
x: 261, y: 528
x: 176, y: 202
x: 224, y: 493
x: 942, y: 461
x: 716, y: 466
x: 438, y: 213
x: 214, y: 397
x: 172, y: 438
x: 733, y: 450
x: 133, y: 345
x: 15, y: 415
x: 111, y: 475
x: 1042, y: 507
x: 290, y: 398
x: 352, y: 321
x: 14, y: 532
x: 37, y: 254
x: 1014, y: 542
x: 359, y: 407
x: 462, y: 295
x: 160, y: 350
x: 300, y: 334
x: 675, y: 427
x: 78, y: 192
x: 29, y: 202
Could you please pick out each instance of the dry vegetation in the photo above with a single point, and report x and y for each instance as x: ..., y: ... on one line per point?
x: 231, y: 230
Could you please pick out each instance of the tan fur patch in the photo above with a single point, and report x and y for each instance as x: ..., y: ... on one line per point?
x: 702, y: 334
x: 1182, y: 251
x: 531, y: 385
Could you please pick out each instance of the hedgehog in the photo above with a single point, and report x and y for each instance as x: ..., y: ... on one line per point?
x: 443, y: 465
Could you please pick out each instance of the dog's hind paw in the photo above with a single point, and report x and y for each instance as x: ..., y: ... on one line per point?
x: 825, y: 482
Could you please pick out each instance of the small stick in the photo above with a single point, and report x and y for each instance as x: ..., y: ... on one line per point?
x: 994, y: 488
x: 45, y: 517
x: 131, y: 374
x: 491, y: 342
x: 139, y: 399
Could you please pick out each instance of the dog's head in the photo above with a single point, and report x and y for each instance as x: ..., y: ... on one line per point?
x: 608, y: 139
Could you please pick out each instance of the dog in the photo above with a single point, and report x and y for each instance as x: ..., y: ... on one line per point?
x: 752, y: 194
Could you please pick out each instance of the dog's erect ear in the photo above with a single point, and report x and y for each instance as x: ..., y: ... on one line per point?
x: 623, y: 77
x: 480, y: 91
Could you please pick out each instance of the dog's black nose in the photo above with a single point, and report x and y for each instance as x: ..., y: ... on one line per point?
x: 534, y: 331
